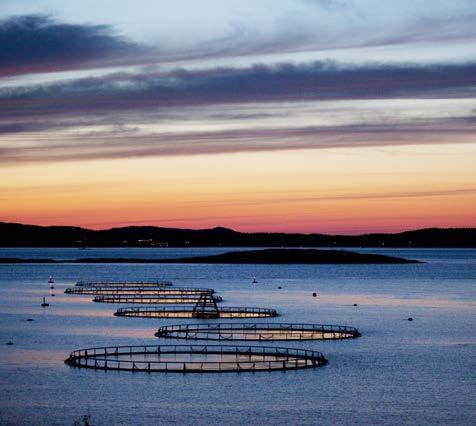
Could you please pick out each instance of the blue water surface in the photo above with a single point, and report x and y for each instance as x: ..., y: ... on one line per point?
x: 419, y: 372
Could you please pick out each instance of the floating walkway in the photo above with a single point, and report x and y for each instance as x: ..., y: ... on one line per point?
x: 169, y: 299
x: 177, y: 312
x: 257, y: 331
x: 124, y: 291
x: 195, y: 358
x: 206, y: 307
x: 124, y: 283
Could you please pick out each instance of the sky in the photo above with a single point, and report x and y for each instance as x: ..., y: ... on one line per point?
x: 315, y: 116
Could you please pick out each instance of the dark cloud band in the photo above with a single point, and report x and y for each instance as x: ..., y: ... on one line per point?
x: 317, y: 81
x: 37, y: 43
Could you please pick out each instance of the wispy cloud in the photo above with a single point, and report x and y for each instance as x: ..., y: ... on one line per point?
x: 260, y: 83
x: 114, y: 146
x: 188, y: 111
x: 236, y: 110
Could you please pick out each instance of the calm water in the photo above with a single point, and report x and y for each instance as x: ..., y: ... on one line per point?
x: 420, y: 372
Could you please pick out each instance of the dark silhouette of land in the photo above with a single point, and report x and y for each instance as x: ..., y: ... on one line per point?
x: 18, y: 235
x: 266, y: 256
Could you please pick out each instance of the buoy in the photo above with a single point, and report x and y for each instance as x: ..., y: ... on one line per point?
x: 314, y: 294
x: 44, y: 303
x: 51, y: 280
x: 355, y: 304
x: 254, y: 281
x: 279, y: 287
x: 52, y: 294
x: 410, y: 319
x: 29, y: 319
x: 10, y: 343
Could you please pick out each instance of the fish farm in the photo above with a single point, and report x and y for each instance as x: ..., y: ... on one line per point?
x: 118, y: 290
x: 175, y: 312
x: 195, y: 358
x: 198, y: 358
x: 148, y: 300
x: 257, y: 331
x: 124, y: 283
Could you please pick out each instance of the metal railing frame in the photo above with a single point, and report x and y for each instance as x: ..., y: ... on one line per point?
x: 166, y: 299
x: 131, y: 290
x: 161, y: 312
x: 161, y: 283
x: 272, y: 358
x: 258, y: 331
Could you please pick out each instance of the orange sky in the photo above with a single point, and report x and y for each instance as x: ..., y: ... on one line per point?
x: 328, y: 190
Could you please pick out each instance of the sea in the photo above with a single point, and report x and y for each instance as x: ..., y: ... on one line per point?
x: 420, y: 372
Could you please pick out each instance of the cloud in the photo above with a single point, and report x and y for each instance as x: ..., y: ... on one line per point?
x: 114, y: 146
x: 226, y: 110
x: 280, y: 197
x: 260, y: 83
x: 38, y: 43
x: 222, y: 110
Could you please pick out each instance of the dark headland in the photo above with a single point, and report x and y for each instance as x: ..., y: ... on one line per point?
x: 18, y: 235
x: 266, y: 256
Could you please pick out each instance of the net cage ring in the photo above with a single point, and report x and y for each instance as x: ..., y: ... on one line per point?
x: 228, y: 312
x: 160, y: 283
x: 195, y: 358
x: 258, y: 331
x: 153, y: 299
x: 138, y: 291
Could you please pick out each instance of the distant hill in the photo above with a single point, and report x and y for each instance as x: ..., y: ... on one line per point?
x: 18, y: 235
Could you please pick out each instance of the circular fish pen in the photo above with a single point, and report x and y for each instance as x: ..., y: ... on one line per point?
x: 123, y: 283
x: 195, y: 358
x: 257, y: 331
x: 176, y: 312
x: 124, y: 291
x: 149, y: 300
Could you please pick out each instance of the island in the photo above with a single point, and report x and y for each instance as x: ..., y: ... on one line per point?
x: 265, y: 256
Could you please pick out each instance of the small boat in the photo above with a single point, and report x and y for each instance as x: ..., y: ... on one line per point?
x: 254, y: 280
x: 44, y: 304
x: 51, y: 281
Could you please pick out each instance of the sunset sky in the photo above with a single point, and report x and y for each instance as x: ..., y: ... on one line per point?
x: 329, y: 116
